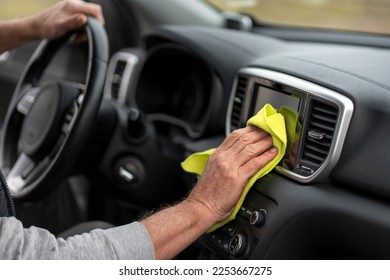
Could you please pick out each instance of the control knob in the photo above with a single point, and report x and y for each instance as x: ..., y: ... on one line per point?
x: 135, y: 124
x: 237, y: 245
x: 257, y: 218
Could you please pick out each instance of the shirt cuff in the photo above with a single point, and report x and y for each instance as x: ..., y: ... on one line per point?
x: 131, y: 241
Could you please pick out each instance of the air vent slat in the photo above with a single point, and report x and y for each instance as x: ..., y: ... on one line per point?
x: 326, y: 143
x: 319, y: 135
x: 241, y: 88
x: 324, y: 118
x: 255, y: 241
x: 313, y: 158
x: 236, y: 115
x: 327, y: 127
x: 238, y: 102
x: 318, y: 149
x: 327, y: 110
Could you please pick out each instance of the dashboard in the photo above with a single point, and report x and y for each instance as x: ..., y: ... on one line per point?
x: 194, y: 85
x: 178, y: 81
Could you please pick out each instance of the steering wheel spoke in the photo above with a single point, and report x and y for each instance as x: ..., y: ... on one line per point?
x: 25, y: 171
x: 25, y: 104
x: 70, y: 118
x: 20, y: 170
x: 31, y: 174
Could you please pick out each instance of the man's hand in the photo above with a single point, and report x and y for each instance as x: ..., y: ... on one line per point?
x: 229, y: 168
x: 51, y: 23
x: 235, y: 161
x: 65, y: 16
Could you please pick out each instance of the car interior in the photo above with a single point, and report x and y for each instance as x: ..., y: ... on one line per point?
x: 165, y: 79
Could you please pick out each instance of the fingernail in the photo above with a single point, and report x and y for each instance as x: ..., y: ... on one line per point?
x: 273, y: 150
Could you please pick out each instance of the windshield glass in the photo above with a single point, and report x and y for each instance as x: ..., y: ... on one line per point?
x: 371, y: 16
x: 17, y: 8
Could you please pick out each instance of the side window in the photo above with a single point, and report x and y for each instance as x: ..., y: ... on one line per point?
x: 17, y: 8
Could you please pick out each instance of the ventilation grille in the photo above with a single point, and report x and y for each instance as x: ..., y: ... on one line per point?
x: 320, y: 132
x: 255, y: 241
x: 238, y: 102
x: 117, y: 78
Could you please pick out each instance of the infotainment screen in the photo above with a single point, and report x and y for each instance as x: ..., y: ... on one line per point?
x: 286, y: 103
x: 276, y: 99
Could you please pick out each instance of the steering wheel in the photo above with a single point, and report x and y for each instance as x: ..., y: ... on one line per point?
x: 48, y: 123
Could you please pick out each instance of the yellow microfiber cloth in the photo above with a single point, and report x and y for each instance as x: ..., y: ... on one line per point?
x: 293, y: 130
x: 267, y: 119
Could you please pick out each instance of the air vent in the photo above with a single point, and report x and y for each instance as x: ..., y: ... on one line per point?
x: 117, y: 78
x: 119, y: 75
x: 255, y: 241
x: 238, y: 102
x: 319, y: 134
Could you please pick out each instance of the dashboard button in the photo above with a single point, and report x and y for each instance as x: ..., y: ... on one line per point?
x: 245, y: 212
x: 237, y: 245
x: 229, y: 230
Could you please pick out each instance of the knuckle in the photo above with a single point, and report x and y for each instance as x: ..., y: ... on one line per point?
x: 217, y: 158
x: 250, y: 150
x: 221, y: 162
x: 68, y: 4
x: 254, y: 164
x: 245, y: 139
x: 262, y: 160
x: 224, y: 165
x: 235, y: 135
x: 99, y: 8
x: 96, y: 8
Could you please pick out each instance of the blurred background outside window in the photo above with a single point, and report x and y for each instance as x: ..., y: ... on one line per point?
x: 372, y: 16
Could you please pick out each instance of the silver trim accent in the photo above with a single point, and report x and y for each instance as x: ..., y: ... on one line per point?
x: 131, y: 61
x: 344, y: 104
x: 126, y: 175
x: 4, y: 56
x: 25, y: 104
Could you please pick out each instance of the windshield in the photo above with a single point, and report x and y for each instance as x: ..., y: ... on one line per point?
x: 17, y: 8
x: 372, y: 16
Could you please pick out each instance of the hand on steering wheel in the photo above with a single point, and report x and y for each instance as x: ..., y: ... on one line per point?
x: 47, y: 124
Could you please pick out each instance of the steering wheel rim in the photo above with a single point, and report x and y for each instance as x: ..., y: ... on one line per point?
x: 31, y: 173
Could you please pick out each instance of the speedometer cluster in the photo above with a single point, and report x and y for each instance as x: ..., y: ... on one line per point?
x: 175, y: 87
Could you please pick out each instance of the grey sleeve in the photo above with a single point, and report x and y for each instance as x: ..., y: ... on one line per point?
x: 130, y: 241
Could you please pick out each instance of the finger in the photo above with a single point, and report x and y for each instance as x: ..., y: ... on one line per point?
x: 253, y: 150
x: 255, y: 164
x: 89, y: 9
x: 247, y: 139
x: 239, y: 136
x: 233, y: 137
x: 72, y: 22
